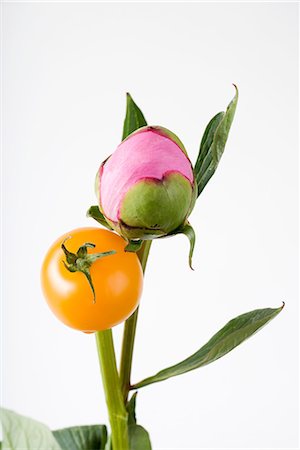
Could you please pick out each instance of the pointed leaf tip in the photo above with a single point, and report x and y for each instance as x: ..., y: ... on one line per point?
x: 225, y: 340
x: 134, y: 118
x: 213, y: 144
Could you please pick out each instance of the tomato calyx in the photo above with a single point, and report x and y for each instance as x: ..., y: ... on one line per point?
x: 82, y: 261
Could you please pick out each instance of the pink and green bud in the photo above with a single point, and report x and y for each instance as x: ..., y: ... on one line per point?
x: 146, y: 188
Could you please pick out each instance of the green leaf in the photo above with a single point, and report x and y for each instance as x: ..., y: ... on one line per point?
x: 134, y: 118
x: 134, y: 246
x: 96, y: 214
x: 138, y: 438
x: 207, y: 140
x: 20, y: 432
x: 213, y: 144
x: 230, y: 336
x: 86, y: 437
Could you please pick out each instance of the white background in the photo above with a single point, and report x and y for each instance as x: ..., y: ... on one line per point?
x: 66, y: 68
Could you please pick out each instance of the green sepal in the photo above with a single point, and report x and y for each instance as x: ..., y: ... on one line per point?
x: 134, y: 118
x: 87, y: 274
x: 95, y: 213
x: 82, y: 251
x: 134, y: 246
x: 155, y: 207
x: 70, y: 268
x: 230, y: 336
x: 189, y: 232
x: 213, y: 144
x: 70, y: 257
x: 82, y: 261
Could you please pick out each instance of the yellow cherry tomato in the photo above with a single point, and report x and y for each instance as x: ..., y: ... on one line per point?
x: 117, y: 280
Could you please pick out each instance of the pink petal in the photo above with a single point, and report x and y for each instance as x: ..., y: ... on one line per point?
x: 144, y: 155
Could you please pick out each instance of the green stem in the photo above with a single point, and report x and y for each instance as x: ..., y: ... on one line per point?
x: 129, y: 333
x: 112, y: 389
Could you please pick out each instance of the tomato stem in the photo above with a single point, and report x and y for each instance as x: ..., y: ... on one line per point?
x: 112, y: 389
x: 129, y: 333
x: 82, y: 261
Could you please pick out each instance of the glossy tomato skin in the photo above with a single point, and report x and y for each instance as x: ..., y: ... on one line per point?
x: 117, y: 279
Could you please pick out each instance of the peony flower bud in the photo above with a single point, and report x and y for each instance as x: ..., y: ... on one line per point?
x: 146, y: 188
